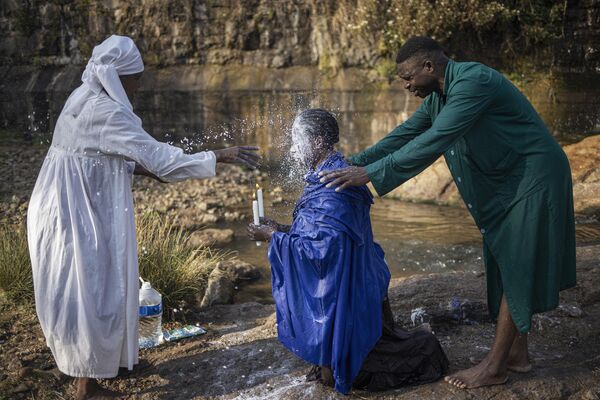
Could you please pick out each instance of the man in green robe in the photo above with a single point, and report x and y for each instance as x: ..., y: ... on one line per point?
x: 512, y: 175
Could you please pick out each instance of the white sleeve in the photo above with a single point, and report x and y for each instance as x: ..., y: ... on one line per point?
x: 123, y: 135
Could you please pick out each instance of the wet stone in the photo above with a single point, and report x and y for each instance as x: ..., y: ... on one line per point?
x: 570, y: 310
x: 211, y: 237
x: 220, y: 288
x: 241, y: 271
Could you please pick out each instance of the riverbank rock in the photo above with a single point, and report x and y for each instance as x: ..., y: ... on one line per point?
x: 220, y: 288
x: 211, y: 238
x: 193, y: 221
x: 436, y: 185
x: 584, y: 157
x: 241, y: 271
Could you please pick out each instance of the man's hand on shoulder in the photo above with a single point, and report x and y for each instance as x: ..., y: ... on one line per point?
x: 345, y: 177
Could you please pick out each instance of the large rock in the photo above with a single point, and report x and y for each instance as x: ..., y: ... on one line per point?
x: 211, y: 237
x: 241, y: 271
x: 584, y: 157
x: 435, y: 184
x: 193, y: 221
x: 220, y: 288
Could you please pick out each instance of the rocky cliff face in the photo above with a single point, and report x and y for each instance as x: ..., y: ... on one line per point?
x: 266, y: 33
x: 579, y: 50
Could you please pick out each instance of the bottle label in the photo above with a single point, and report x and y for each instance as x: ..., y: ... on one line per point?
x: 150, y: 311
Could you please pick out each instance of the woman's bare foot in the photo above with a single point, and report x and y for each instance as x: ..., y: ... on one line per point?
x: 88, y: 388
x: 483, y: 374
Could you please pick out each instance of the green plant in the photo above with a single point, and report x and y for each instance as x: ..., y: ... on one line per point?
x: 513, y: 28
x: 15, y: 269
x: 386, y: 69
x: 178, y: 271
x: 175, y: 269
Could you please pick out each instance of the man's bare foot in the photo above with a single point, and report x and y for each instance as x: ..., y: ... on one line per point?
x: 514, y: 365
x: 480, y: 375
x: 88, y: 388
x: 518, y: 357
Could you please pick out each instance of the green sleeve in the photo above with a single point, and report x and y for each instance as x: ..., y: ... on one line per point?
x: 418, y: 123
x: 468, y: 99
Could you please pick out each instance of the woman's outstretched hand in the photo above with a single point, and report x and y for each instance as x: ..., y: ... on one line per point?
x: 260, y: 233
x: 245, y: 155
x: 342, y: 178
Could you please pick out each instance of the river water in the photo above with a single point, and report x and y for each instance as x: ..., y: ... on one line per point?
x: 417, y: 238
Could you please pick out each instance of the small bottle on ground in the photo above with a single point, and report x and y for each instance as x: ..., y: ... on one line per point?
x: 151, y: 334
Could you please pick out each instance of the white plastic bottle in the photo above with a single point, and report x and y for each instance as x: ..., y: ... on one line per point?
x: 150, y: 316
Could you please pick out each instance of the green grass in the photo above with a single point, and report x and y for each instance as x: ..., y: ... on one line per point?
x: 178, y: 271
x: 16, y: 280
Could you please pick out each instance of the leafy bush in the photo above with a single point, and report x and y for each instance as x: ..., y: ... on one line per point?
x: 386, y: 68
x: 514, y: 26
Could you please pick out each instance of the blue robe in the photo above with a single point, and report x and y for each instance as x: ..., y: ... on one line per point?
x: 329, y: 278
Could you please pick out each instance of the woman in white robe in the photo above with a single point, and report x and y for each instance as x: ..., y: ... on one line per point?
x: 81, y: 227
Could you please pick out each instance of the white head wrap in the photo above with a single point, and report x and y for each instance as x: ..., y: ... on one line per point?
x: 117, y: 55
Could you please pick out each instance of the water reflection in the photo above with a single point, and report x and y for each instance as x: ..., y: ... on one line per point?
x: 214, y: 118
x: 417, y: 239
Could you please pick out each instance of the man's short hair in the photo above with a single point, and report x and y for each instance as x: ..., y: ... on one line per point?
x: 419, y: 46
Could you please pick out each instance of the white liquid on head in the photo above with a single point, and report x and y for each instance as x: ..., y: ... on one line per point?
x: 302, y: 146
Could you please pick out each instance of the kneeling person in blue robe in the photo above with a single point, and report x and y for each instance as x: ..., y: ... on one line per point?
x: 330, y: 280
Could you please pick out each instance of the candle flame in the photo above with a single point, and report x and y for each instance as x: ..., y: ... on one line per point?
x: 257, y: 186
x: 254, y: 196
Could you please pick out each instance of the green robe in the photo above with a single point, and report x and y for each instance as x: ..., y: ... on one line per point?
x: 513, y: 176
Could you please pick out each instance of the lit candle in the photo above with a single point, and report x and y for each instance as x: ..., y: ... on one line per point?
x: 256, y: 217
x: 261, y: 204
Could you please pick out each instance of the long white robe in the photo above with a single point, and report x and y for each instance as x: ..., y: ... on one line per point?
x: 81, y: 231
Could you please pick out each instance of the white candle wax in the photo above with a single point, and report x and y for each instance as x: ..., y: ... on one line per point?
x: 255, y: 215
x: 255, y: 212
x: 261, y: 204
